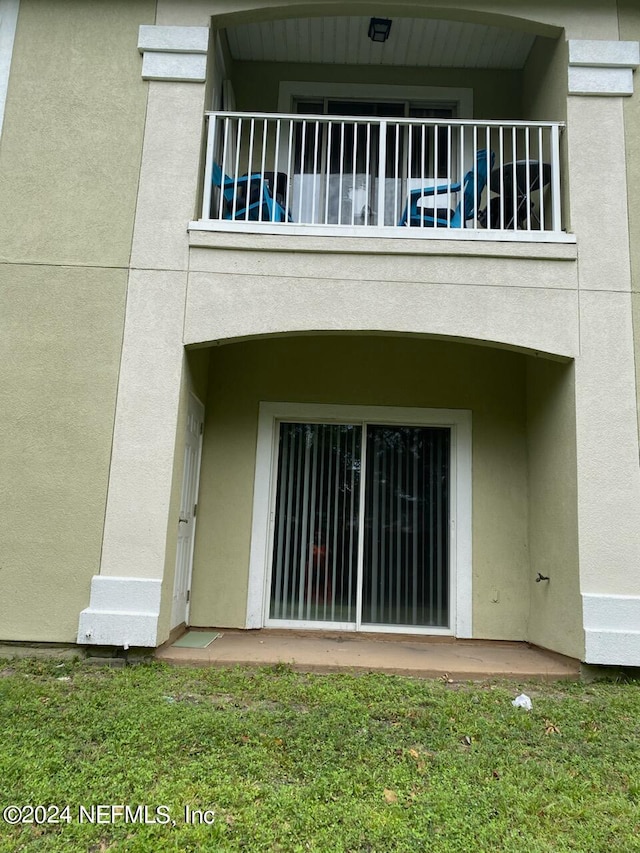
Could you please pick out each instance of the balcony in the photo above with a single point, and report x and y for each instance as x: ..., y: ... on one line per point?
x: 382, y: 177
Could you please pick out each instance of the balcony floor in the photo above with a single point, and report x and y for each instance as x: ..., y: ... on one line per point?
x: 421, y: 657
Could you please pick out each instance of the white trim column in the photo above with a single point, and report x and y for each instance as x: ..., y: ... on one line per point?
x: 126, y: 597
x: 600, y: 75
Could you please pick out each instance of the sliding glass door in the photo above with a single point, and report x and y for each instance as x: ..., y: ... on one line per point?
x: 315, y: 549
x: 405, y: 579
x: 361, y: 526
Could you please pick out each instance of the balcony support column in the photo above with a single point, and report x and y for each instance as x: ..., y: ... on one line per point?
x: 130, y: 596
x: 600, y: 76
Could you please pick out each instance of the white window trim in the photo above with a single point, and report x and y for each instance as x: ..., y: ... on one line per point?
x: 291, y: 90
x: 459, y: 420
x: 8, y: 23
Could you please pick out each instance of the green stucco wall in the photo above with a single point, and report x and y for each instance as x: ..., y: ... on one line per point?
x: 69, y: 162
x: 544, y: 89
x: 72, y: 137
x: 555, y: 619
x: 60, y: 335
x: 366, y: 371
x: 544, y: 98
x: 496, y: 94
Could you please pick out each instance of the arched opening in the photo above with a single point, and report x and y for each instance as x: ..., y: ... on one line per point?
x: 266, y: 498
x: 453, y: 123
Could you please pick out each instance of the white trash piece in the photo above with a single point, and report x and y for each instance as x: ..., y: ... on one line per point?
x: 523, y: 701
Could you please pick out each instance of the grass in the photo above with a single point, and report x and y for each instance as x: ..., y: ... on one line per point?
x: 292, y: 762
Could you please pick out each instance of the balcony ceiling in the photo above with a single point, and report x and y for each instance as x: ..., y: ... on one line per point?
x: 413, y: 42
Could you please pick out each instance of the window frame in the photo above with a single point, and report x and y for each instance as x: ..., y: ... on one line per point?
x: 265, y: 480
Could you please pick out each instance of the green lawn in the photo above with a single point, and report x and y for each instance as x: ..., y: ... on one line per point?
x: 280, y: 761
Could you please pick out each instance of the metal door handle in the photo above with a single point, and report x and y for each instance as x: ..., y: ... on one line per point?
x: 185, y: 520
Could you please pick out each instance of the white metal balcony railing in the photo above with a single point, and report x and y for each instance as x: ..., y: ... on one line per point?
x: 391, y: 176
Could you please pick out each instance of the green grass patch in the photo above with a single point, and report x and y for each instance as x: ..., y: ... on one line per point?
x: 275, y: 760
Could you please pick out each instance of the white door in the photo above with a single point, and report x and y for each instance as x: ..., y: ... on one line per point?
x: 188, y: 510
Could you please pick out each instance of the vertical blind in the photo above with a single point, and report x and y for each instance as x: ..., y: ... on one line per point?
x: 406, y: 527
x: 404, y: 576
x: 316, y: 523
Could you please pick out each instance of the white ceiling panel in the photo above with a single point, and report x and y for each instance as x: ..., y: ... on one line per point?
x: 413, y: 42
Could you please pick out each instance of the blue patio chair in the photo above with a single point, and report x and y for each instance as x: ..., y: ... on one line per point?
x: 247, y: 198
x: 474, y: 183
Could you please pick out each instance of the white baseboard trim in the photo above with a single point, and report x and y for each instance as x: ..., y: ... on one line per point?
x: 122, y: 612
x: 612, y: 629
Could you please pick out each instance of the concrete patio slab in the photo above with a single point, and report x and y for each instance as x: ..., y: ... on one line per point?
x: 422, y: 657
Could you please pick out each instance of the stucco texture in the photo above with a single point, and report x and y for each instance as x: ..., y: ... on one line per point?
x: 367, y: 371
x: 233, y: 294
x: 73, y: 129
x: 496, y: 94
x: 630, y: 31
x: 555, y: 615
x: 60, y: 337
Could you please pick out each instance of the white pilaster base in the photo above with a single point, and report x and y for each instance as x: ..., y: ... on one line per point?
x: 612, y: 629
x: 122, y: 612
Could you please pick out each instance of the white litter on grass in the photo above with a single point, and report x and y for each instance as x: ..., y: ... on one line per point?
x: 523, y: 701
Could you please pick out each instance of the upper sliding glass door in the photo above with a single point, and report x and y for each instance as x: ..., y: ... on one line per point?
x: 338, y: 165
x: 361, y: 526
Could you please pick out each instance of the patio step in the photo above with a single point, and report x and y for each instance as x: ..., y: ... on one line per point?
x: 421, y: 657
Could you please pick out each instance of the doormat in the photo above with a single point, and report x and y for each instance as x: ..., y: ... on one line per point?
x: 196, y: 640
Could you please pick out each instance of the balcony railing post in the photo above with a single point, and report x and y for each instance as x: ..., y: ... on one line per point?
x: 382, y: 171
x: 208, y: 167
x: 555, y: 178
x: 327, y: 175
x: 541, y: 175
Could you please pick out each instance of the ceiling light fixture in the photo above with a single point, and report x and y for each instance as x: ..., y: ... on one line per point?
x: 379, y: 29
